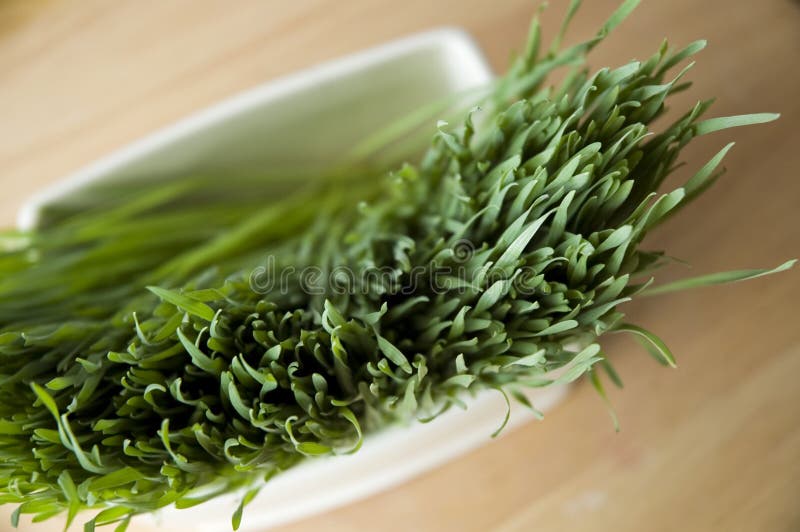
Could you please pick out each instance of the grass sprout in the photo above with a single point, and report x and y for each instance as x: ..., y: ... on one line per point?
x: 198, y: 337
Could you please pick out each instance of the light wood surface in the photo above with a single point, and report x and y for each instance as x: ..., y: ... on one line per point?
x: 713, y: 445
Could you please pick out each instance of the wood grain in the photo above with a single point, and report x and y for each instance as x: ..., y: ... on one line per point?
x: 713, y: 445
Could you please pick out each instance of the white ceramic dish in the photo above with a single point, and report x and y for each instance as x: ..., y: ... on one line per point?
x: 268, y: 125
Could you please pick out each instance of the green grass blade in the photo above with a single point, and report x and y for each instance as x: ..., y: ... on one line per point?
x: 717, y: 278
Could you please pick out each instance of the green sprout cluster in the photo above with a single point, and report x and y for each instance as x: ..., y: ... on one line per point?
x: 148, y: 356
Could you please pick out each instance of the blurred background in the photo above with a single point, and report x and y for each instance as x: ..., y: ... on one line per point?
x: 712, y: 445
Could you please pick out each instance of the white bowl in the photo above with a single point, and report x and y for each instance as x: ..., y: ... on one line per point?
x: 364, y: 91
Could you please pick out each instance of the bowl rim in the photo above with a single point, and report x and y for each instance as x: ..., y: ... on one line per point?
x: 473, y: 70
x: 459, y: 435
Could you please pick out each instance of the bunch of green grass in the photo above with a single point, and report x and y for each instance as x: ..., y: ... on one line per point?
x: 143, y: 362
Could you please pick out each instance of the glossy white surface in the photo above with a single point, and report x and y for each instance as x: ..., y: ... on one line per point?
x: 313, y: 117
x: 269, y: 125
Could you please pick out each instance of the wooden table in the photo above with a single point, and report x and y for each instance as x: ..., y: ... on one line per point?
x: 713, y: 445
